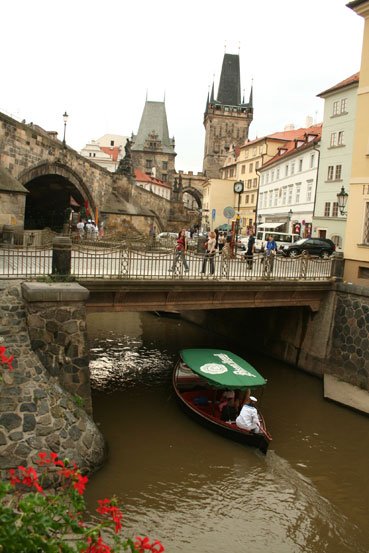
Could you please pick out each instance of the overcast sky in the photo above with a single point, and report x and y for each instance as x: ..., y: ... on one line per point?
x: 97, y: 61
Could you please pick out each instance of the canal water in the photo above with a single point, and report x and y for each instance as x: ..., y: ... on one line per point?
x: 198, y: 492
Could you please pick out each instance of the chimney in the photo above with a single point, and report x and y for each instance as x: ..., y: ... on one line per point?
x: 309, y: 121
x: 289, y: 127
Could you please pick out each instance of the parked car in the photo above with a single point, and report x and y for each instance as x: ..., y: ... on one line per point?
x: 310, y: 246
x: 242, y: 242
x: 165, y: 236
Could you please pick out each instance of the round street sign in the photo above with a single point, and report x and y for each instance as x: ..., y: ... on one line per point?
x: 229, y: 212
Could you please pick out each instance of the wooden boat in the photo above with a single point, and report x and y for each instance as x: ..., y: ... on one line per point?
x: 199, y: 379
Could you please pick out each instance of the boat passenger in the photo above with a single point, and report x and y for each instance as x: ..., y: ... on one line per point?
x: 229, y: 412
x: 248, y: 418
x: 226, y: 395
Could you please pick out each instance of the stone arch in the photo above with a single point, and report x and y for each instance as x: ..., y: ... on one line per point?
x: 196, y: 194
x: 56, y: 175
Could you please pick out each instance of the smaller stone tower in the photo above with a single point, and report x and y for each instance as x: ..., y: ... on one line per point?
x: 152, y: 149
x: 226, y: 119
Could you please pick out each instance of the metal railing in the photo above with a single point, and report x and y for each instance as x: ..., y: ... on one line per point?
x: 93, y: 261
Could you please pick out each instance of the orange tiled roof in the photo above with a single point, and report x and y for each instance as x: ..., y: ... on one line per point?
x: 350, y: 80
x: 291, y: 145
x: 111, y: 151
x: 142, y: 177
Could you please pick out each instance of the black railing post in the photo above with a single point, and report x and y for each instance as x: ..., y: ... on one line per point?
x: 62, y: 256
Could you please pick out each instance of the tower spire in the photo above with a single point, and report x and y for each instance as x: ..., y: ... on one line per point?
x: 229, y: 91
x: 251, y: 93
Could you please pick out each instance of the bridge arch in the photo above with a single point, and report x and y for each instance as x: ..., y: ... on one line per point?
x: 53, y: 189
x: 195, y: 194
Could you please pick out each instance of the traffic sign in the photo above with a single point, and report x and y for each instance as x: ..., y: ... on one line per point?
x: 229, y: 212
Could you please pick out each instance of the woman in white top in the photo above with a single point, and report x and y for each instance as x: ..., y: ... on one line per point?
x: 210, y: 253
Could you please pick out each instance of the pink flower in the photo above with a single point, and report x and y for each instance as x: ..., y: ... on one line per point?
x: 96, y: 546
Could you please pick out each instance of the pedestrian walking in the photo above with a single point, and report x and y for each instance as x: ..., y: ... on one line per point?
x: 270, y: 253
x: 180, y: 251
x: 210, y: 253
x: 250, y: 250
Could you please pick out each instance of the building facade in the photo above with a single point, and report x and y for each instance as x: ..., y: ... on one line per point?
x: 335, y: 158
x: 226, y: 118
x: 356, y: 244
x: 217, y: 195
x: 152, y: 184
x: 288, y: 183
x: 105, y: 151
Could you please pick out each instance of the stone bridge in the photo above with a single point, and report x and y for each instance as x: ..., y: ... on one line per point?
x: 40, y: 177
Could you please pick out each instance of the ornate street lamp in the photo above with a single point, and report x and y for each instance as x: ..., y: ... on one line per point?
x: 289, y: 217
x: 65, y: 119
x: 342, y: 198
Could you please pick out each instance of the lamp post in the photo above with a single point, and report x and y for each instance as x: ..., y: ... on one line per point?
x: 65, y: 119
x: 238, y: 189
x: 259, y: 221
x: 342, y: 198
x: 289, y: 216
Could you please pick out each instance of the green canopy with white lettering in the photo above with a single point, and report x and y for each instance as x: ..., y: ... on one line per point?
x: 222, y: 368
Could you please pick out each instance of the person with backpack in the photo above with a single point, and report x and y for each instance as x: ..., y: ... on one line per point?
x: 270, y: 253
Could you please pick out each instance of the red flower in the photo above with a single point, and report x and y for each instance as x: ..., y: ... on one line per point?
x: 107, y: 507
x: 6, y: 360
x: 80, y: 484
x: 13, y: 477
x: 30, y: 478
x: 143, y: 544
x: 96, y: 546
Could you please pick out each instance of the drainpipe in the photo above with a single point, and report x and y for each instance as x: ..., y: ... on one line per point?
x: 316, y: 182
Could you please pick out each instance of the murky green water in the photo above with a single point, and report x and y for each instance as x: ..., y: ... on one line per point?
x: 198, y: 492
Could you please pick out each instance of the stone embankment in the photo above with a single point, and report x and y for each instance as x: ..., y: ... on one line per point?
x: 36, y: 413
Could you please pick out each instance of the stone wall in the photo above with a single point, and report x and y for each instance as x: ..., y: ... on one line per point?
x: 349, y: 356
x: 36, y: 413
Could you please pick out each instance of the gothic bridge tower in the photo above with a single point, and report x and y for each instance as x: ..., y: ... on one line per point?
x: 226, y: 119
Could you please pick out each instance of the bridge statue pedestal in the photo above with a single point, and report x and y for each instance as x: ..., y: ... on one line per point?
x: 56, y: 318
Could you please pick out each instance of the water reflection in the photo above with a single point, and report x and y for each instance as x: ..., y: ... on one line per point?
x: 196, y: 491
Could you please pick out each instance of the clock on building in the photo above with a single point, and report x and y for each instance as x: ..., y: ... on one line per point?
x: 238, y: 187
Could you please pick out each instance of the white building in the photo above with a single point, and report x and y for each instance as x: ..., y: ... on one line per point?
x: 152, y: 184
x: 107, y: 151
x: 335, y: 158
x: 288, y: 182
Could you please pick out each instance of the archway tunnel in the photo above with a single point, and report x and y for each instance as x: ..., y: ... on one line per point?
x: 50, y: 201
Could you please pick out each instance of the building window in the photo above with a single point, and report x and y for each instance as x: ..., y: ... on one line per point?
x: 249, y: 182
x: 251, y: 166
x: 242, y: 169
x: 164, y: 177
x: 270, y: 198
x: 366, y: 225
x: 335, y: 108
x: 164, y: 165
x: 330, y: 172
x: 278, y: 173
x: 275, y: 197
x: 231, y: 172
x: 252, y: 198
x: 257, y: 163
x: 255, y: 183
x: 94, y: 155
x: 297, y: 193
x: 254, y: 151
x: 247, y: 198
x: 344, y: 105
x: 284, y: 195
x: 300, y: 165
x: 335, y: 209
x: 327, y: 209
x: 112, y: 143
x: 293, y: 168
x: 333, y: 141
x: 338, y: 172
x: 312, y: 158
x: 290, y: 192
x: 340, y: 138
x: 309, y: 190
x: 148, y: 163
x: 272, y: 177
x: 286, y: 171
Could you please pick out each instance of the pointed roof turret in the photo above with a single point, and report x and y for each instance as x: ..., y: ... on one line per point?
x: 212, y: 93
x: 251, y: 96
x: 154, y: 119
x: 229, y: 92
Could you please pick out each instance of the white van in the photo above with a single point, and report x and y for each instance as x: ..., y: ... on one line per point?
x: 281, y: 238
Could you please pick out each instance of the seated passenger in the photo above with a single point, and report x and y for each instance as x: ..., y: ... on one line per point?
x: 229, y: 412
x: 248, y: 419
x: 226, y: 395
